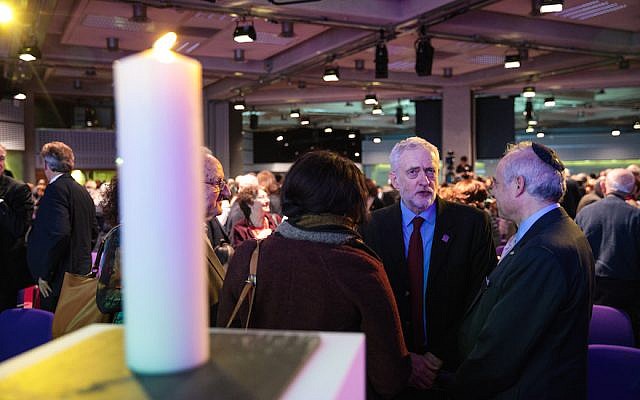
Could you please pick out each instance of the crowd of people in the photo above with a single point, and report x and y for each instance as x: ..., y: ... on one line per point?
x: 478, y: 288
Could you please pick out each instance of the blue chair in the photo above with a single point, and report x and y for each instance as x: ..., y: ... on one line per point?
x: 610, y: 326
x: 614, y: 372
x: 22, y: 329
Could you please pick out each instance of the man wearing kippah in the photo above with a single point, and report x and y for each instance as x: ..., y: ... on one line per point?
x: 525, y: 334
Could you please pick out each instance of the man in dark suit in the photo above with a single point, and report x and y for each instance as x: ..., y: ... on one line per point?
x: 455, y: 251
x: 612, y: 227
x: 65, y: 226
x: 525, y: 334
x: 16, y: 208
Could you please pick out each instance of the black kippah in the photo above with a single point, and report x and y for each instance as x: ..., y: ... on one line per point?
x: 548, y: 156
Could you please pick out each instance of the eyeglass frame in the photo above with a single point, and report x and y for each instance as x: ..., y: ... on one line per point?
x: 219, y: 184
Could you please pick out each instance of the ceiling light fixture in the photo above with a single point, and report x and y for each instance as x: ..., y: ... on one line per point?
x: 529, y: 91
x: 615, y: 132
x: 244, y: 33
x: 382, y: 58
x: 113, y: 43
x: 532, y: 122
x: 239, y: 105
x: 20, y: 96
x: 424, y: 53
x: 370, y: 99
x: 328, y: 129
x: 540, y: 134
x: 550, y: 6
x: 377, y: 110
x: 636, y: 125
x: 139, y: 13
x: 279, y: 138
x: 286, y: 29
x: 550, y: 102
x: 406, y: 117
x: 331, y: 74
x: 238, y: 55
x: 512, y: 61
x: 295, y: 113
x: 30, y: 53
x: 377, y: 140
x: 351, y: 136
x: 529, y: 129
x: 305, y: 121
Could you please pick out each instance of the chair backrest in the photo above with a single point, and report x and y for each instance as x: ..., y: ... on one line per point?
x: 614, y: 372
x: 610, y: 326
x: 22, y: 330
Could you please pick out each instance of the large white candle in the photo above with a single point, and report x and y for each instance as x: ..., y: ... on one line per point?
x: 160, y: 133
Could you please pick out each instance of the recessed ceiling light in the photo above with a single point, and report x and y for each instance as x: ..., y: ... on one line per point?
x: 370, y: 99
x: 280, y: 138
x: 377, y: 140
x: 305, y: 121
x: 529, y: 129
x: 529, y: 91
x: 550, y: 102
x: 351, y: 136
x: 540, y: 134
x: 328, y: 129
x: 615, y: 132
x: 636, y: 125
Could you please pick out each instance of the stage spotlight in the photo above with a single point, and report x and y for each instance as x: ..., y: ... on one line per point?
x: 424, y: 56
x: 331, y: 74
x: 370, y: 99
x: 244, y: 33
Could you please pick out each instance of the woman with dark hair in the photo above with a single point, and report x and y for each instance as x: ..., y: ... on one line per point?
x: 258, y: 222
x: 315, y: 273
x: 109, y: 296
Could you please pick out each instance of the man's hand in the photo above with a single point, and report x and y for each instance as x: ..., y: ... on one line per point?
x: 424, y: 369
x: 45, y: 289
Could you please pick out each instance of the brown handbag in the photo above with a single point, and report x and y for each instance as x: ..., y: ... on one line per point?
x: 249, y: 287
x: 77, y: 304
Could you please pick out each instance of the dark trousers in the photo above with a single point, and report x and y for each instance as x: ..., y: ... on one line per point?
x: 623, y: 295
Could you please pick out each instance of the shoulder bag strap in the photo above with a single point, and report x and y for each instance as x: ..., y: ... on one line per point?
x: 248, y: 289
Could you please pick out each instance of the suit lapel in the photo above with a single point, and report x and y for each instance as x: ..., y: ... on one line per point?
x: 442, y: 237
x: 536, y: 229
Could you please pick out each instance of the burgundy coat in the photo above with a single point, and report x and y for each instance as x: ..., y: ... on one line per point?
x: 304, y: 285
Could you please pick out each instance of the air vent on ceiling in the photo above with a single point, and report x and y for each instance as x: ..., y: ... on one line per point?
x: 590, y: 10
x: 118, y: 23
x: 487, y: 60
x: 194, y: 31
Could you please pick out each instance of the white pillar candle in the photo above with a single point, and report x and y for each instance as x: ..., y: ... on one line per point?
x: 160, y: 132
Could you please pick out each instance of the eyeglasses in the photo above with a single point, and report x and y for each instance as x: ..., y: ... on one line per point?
x: 218, y: 184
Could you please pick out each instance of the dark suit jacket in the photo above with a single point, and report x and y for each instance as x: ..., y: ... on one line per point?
x: 613, y: 230
x: 525, y: 335
x: 462, y: 254
x: 15, y: 217
x: 61, y: 238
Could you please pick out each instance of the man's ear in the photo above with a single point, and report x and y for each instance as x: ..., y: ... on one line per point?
x: 393, y: 178
x: 519, y: 182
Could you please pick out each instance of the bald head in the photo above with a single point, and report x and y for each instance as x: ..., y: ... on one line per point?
x: 620, y: 180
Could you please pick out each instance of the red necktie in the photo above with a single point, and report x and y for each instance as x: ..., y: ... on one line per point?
x: 415, y: 261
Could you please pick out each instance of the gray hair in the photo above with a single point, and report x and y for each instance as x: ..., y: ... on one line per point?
x: 58, y: 156
x: 620, y: 180
x: 541, y: 179
x: 410, y: 144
